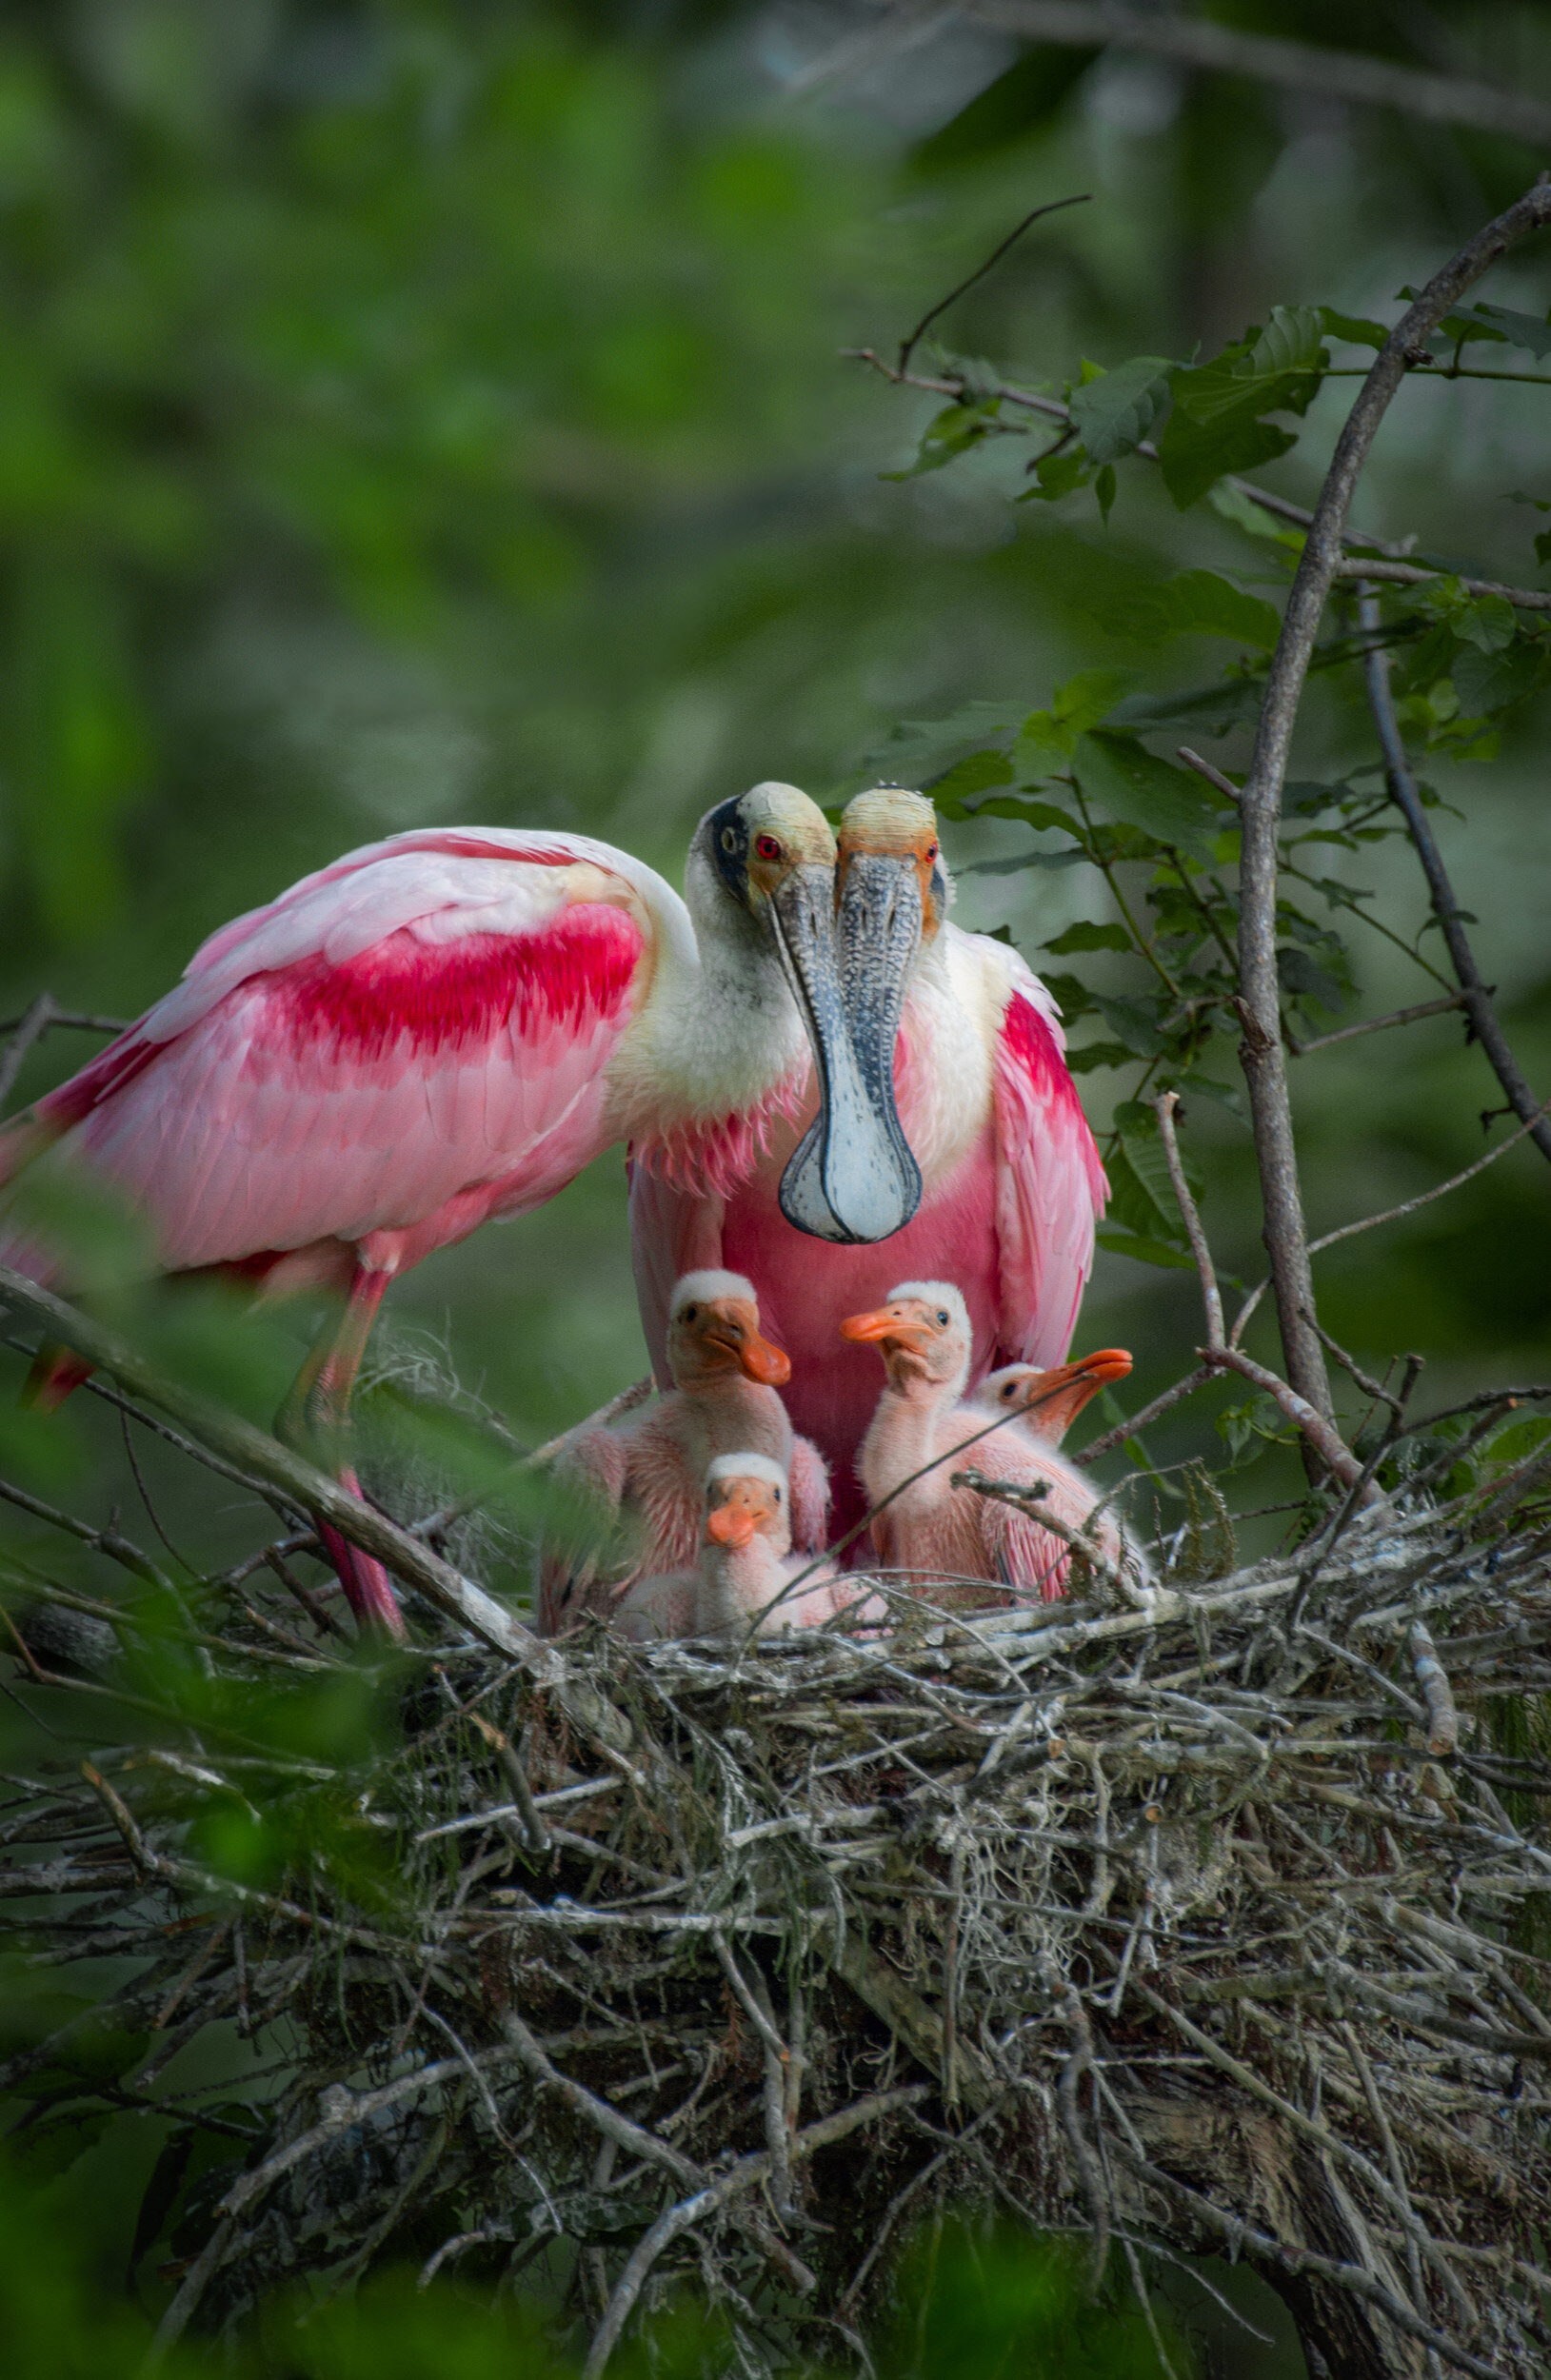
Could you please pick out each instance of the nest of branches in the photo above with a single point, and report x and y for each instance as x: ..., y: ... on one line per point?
x: 1205, y: 1927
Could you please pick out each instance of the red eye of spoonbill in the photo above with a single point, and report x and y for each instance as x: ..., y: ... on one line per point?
x: 931, y: 851
x: 767, y: 846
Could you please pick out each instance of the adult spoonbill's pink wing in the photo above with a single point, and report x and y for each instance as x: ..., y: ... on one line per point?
x: 1051, y: 1186
x: 405, y: 1045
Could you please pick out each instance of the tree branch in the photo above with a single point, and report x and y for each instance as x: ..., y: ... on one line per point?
x: 1403, y: 792
x: 1260, y: 801
x: 1347, y: 74
x: 310, y: 1490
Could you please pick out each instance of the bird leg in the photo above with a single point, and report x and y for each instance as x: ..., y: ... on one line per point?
x: 315, y: 1419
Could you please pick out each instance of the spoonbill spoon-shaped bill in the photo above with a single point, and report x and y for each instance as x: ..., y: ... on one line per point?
x: 444, y: 1028
x: 920, y: 1427
x: 650, y: 1467
x: 969, y: 1041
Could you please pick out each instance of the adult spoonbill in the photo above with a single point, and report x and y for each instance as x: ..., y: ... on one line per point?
x: 986, y: 1108
x: 650, y: 1466
x: 924, y: 1334
x: 447, y: 1026
x: 746, y: 1563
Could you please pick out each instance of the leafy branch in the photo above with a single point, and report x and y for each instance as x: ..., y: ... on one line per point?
x: 1207, y: 881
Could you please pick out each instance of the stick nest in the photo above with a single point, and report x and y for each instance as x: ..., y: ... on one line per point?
x: 1204, y: 1928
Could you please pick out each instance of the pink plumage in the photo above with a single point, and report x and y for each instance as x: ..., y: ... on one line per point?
x: 435, y: 1030
x: 1008, y: 1217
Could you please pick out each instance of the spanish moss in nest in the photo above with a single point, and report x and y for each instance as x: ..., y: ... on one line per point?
x: 1200, y: 1927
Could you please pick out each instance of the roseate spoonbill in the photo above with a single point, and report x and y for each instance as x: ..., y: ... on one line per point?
x: 447, y: 1026
x: 1011, y: 1179
x: 924, y: 1334
x: 651, y: 1465
x: 1044, y: 1404
x: 746, y: 1561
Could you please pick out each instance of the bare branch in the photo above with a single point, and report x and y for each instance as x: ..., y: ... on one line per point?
x: 30, y: 1029
x: 1261, y: 802
x: 1198, y: 41
x: 1404, y: 793
x: 1417, y: 574
x: 1376, y: 1024
x: 1211, y: 1297
x: 1052, y: 207
x: 1443, y: 1719
x: 263, y: 1457
x: 1150, y: 1413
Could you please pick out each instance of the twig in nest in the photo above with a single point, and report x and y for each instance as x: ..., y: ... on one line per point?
x: 1443, y: 1719
x: 516, y: 1776
x: 1089, y: 2173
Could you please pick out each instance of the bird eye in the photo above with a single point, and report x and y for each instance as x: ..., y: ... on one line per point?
x: 690, y: 1313
x: 778, y: 1495
x: 1010, y: 1392
x: 931, y: 851
x: 729, y: 838
x: 767, y: 846
x: 942, y: 1320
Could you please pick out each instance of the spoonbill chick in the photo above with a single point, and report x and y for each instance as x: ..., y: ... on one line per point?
x: 918, y: 1433
x: 746, y: 1563
x: 650, y: 1467
x: 1044, y: 1405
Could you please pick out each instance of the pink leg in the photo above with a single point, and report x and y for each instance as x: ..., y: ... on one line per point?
x: 318, y: 1411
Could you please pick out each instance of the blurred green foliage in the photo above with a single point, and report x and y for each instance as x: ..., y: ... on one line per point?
x: 970, y: 2300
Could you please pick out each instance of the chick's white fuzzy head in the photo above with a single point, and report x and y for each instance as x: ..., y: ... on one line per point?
x: 934, y: 1292
x: 705, y: 1288
x: 746, y: 1467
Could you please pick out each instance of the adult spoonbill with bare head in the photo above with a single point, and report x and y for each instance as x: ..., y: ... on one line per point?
x: 987, y: 1120
x: 447, y: 1026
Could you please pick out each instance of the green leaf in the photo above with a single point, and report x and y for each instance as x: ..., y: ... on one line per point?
x: 1212, y: 710
x: 1023, y: 858
x: 1298, y: 973
x: 1056, y: 475
x: 1531, y: 331
x: 1047, y: 737
x: 1114, y: 411
x: 1487, y: 621
x: 38, y: 2151
x: 1278, y: 368
x: 1136, y: 1021
x: 1356, y: 327
x: 921, y: 749
x: 1070, y: 995
x: 1084, y: 937
x: 1099, y: 1054
x: 1488, y: 682
x: 1135, y: 785
x: 1144, y: 1154
x: 1542, y: 547
x: 1144, y: 1250
x: 971, y: 775
x: 1252, y: 518
x: 1103, y: 489
x: 1196, y: 603
x: 1302, y: 797
x: 1215, y: 424
x: 1194, y: 455
x: 951, y: 433
x: 1035, y: 814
